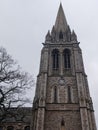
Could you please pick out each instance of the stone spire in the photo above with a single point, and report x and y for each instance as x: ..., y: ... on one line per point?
x: 61, y: 31
x: 62, y: 89
x: 61, y: 22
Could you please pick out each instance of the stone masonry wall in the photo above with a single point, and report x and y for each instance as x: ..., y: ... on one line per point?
x: 71, y: 119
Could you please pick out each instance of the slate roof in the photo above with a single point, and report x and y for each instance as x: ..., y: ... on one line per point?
x: 22, y: 114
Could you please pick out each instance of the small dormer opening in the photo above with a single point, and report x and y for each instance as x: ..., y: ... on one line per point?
x: 61, y: 35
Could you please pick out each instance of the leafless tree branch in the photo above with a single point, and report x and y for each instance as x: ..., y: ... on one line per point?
x: 13, y: 84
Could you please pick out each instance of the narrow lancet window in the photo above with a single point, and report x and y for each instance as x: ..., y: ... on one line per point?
x: 69, y: 94
x: 55, y: 55
x: 67, y: 59
x: 62, y: 125
x: 55, y: 94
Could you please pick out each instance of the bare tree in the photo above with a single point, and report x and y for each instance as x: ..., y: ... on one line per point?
x: 13, y: 85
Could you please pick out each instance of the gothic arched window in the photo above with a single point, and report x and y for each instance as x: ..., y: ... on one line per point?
x: 55, y: 57
x: 60, y: 35
x: 55, y: 94
x: 27, y: 128
x: 69, y: 94
x: 67, y: 58
x: 10, y: 128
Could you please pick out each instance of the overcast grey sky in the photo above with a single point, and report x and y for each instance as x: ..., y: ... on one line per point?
x: 24, y: 24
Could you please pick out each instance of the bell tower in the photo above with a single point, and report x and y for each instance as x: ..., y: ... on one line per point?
x: 62, y: 98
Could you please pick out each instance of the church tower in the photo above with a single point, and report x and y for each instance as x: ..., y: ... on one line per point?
x: 62, y: 98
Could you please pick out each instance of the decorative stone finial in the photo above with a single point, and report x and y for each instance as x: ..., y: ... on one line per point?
x: 48, y: 36
x: 74, y: 36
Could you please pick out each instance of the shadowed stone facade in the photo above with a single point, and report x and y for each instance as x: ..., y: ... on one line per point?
x: 62, y: 100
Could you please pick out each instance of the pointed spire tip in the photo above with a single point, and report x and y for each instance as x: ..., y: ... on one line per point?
x: 61, y: 22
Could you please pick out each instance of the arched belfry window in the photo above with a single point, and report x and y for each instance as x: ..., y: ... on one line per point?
x: 55, y: 57
x: 60, y: 35
x: 67, y: 64
x: 10, y: 128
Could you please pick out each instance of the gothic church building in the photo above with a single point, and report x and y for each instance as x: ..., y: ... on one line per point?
x: 62, y: 99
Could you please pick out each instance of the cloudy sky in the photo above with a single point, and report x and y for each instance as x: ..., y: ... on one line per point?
x: 24, y: 24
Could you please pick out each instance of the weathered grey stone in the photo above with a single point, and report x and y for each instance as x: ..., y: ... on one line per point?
x: 62, y: 99
x: 62, y: 93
